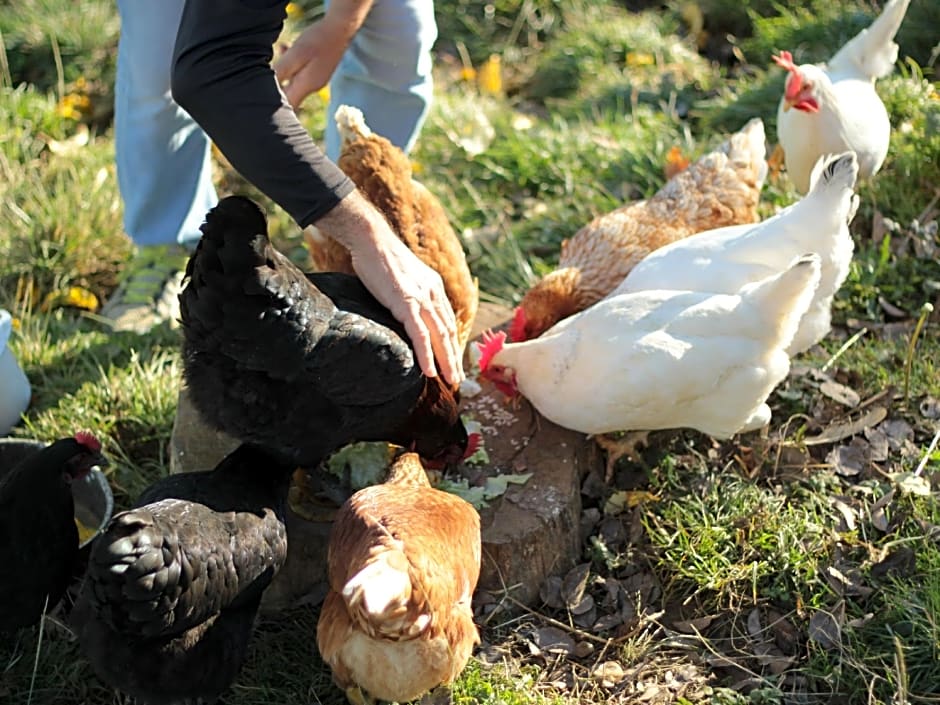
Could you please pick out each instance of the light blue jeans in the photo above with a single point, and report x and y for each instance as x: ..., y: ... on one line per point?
x: 163, y: 156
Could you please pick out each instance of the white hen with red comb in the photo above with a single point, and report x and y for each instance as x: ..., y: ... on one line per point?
x: 833, y: 107
x: 661, y: 359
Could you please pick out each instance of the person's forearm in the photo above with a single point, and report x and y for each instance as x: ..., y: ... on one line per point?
x: 223, y: 78
x: 346, y: 17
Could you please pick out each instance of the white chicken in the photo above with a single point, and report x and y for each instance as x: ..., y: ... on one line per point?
x: 833, y: 107
x: 661, y: 359
x: 725, y: 259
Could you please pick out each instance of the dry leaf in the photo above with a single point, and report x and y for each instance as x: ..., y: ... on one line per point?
x: 825, y: 628
x: 878, y: 517
x: 899, y: 433
x: 754, y: 626
x: 574, y: 583
x: 847, y: 512
x: 878, y: 440
x: 676, y: 162
x: 899, y: 562
x: 693, y: 626
x: 851, y: 459
x: 608, y: 674
x: 847, y: 583
x: 840, y: 393
x: 550, y: 592
x: 554, y: 641
x: 909, y: 483
x: 838, y: 431
x: 627, y: 499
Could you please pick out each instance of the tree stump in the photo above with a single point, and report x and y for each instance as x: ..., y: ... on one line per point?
x: 529, y: 533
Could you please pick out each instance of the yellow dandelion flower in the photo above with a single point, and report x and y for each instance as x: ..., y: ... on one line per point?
x: 294, y: 11
x: 490, y: 76
x: 74, y: 296
x: 416, y: 167
x: 324, y: 93
x: 640, y: 58
x: 16, y: 323
x: 468, y: 73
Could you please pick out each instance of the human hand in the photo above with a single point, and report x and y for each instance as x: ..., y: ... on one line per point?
x: 307, y: 65
x: 414, y: 293
x: 406, y: 286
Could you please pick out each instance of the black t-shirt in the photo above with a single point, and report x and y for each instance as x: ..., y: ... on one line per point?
x: 222, y: 76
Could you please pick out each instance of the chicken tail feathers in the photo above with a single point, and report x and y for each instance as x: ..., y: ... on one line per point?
x: 351, y: 124
x: 833, y: 180
x: 783, y: 298
x: 128, y: 575
x: 748, y: 148
x: 871, y: 53
x: 378, y: 597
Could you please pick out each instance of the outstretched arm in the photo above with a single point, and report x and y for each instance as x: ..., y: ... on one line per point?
x: 222, y: 76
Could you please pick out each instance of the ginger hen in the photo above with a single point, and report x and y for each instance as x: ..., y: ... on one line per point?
x: 404, y: 560
x: 301, y: 364
x: 382, y: 172
x: 721, y: 188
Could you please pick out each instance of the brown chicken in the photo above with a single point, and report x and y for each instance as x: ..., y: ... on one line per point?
x: 383, y: 173
x: 721, y: 188
x: 404, y: 560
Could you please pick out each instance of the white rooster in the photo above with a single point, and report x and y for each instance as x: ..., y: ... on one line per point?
x: 661, y: 359
x: 833, y: 107
x: 725, y: 259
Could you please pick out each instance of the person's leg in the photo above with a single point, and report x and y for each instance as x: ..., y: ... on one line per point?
x: 164, y: 169
x: 162, y: 155
x: 386, y: 72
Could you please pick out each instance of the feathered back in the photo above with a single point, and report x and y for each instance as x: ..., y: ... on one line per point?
x: 383, y: 173
x: 720, y: 188
x: 404, y: 560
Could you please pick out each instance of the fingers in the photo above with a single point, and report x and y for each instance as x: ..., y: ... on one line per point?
x: 420, y: 340
x: 435, y: 339
x: 444, y: 340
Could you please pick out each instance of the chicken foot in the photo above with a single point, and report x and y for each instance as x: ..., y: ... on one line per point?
x: 624, y: 446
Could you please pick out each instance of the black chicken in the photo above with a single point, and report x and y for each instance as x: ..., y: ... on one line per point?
x: 38, y: 535
x: 301, y: 363
x: 173, y: 586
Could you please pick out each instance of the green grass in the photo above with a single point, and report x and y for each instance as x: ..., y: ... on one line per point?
x: 595, y: 98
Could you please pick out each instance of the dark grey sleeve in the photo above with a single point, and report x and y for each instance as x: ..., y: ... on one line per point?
x: 222, y: 76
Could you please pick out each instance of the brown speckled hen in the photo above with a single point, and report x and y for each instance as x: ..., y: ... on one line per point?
x: 404, y: 560
x: 721, y: 188
x: 301, y: 364
x: 38, y: 534
x: 383, y: 173
x: 173, y: 585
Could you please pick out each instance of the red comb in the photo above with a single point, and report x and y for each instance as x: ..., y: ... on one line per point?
x: 517, y: 327
x: 473, y: 444
x: 785, y: 60
x: 492, y: 344
x: 89, y: 440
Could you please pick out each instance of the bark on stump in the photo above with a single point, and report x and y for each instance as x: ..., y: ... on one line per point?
x: 529, y: 533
